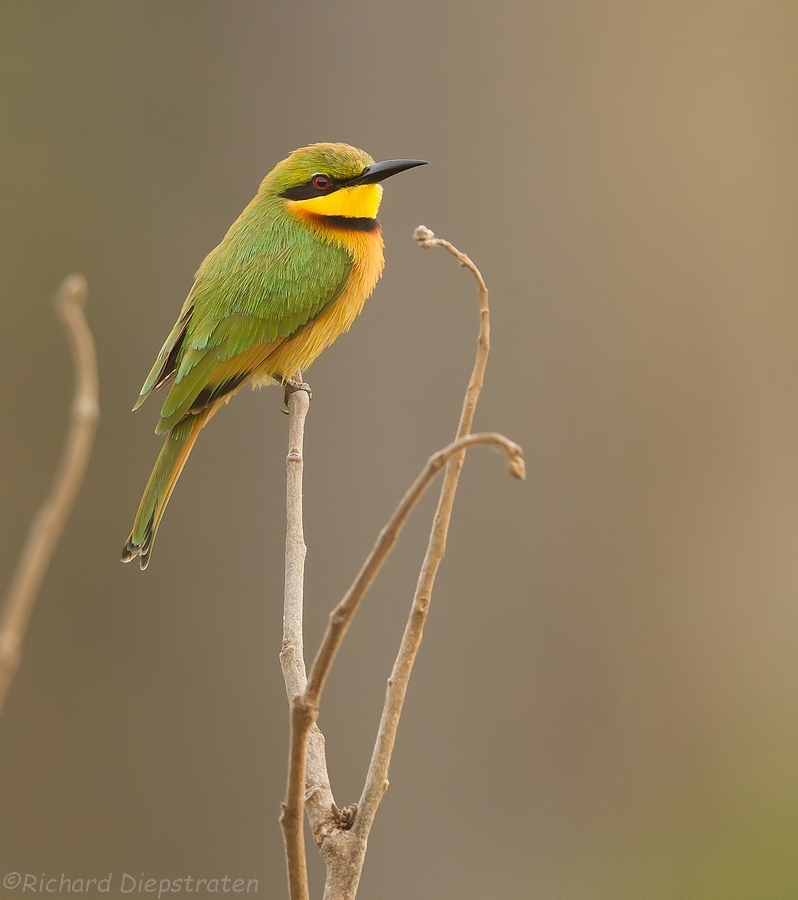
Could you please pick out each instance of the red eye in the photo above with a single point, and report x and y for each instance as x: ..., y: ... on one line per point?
x: 321, y: 182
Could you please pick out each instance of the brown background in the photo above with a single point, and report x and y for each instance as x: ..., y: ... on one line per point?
x: 605, y: 702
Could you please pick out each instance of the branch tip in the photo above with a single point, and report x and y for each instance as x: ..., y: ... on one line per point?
x: 517, y: 466
x: 72, y: 291
x: 424, y: 236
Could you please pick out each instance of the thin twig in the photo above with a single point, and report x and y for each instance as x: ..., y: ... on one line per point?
x: 377, y: 778
x: 342, y: 615
x: 49, y: 522
x: 292, y: 657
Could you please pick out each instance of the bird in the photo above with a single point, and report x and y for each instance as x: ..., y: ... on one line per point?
x: 292, y: 273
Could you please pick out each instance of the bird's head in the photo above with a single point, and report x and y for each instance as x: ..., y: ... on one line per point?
x: 333, y: 180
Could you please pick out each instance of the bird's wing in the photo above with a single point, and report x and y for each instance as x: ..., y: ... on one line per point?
x: 163, y: 370
x: 241, y: 303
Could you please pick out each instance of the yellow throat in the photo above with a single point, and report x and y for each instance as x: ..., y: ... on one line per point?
x: 361, y: 202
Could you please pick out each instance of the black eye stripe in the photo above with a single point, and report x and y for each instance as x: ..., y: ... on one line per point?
x: 308, y: 190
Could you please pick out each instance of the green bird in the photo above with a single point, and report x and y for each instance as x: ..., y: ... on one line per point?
x: 291, y: 274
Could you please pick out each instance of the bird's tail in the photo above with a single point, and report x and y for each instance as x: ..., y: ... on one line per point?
x: 168, y: 467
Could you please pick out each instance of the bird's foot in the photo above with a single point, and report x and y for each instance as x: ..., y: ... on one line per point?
x: 291, y: 386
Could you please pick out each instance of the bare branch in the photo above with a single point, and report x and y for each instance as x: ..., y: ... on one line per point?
x: 344, y: 851
x: 49, y: 523
x: 377, y: 778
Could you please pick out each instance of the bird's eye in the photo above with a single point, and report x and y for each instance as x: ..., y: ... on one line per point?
x: 321, y: 182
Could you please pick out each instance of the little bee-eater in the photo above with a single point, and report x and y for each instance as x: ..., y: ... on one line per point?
x: 290, y: 275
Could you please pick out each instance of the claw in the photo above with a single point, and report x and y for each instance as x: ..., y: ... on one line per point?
x: 293, y: 386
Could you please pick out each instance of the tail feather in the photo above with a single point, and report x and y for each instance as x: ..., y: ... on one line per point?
x: 168, y: 467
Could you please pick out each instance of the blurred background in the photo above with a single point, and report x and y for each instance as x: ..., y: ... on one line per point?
x: 606, y: 701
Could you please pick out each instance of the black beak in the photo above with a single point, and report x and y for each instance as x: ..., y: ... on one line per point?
x: 380, y: 171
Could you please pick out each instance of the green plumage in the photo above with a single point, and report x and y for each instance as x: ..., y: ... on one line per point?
x: 267, y: 279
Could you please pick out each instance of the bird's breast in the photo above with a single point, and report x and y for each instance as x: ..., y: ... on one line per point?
x: 365, y: 250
